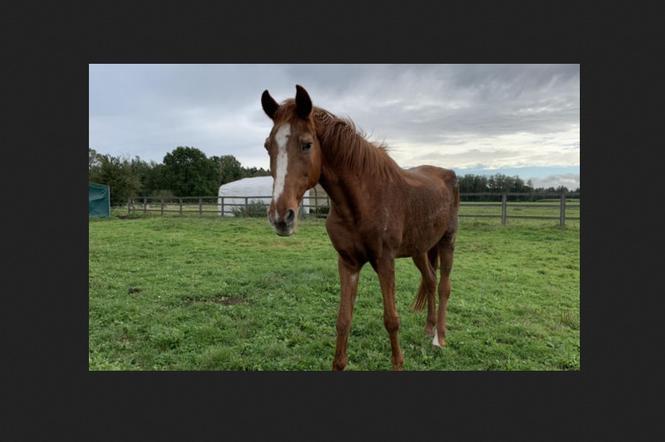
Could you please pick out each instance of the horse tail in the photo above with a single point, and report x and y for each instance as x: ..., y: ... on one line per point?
x: 421, y: 301
x: 452, y: 182
x: 455, y: 186
x: 456, y: 191
x: 421, y: 297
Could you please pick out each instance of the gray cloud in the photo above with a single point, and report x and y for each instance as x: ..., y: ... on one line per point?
x: 570, y: 180
x: 449, y: 115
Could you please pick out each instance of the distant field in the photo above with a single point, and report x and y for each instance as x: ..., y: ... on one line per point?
x: 211, y: 293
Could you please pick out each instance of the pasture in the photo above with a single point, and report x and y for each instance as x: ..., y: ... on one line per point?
x: 210, y: 293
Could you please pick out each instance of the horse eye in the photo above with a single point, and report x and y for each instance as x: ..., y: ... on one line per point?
x: 306, y: 146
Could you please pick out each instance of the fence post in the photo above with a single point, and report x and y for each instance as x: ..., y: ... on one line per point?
x: 246, y: 208
x: 562, y: 210
x: 129, y: 207
x: 180, y: 202
x: 200, y: 206
x: 316, y: 203
x: 161, y: 204
x: 145, y: 205
x: 222, y: 212
x: 504, y: 209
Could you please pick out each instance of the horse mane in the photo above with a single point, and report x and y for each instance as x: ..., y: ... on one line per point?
x: 345, y: 145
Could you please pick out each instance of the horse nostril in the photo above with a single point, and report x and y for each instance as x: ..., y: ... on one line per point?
x: 290, y: 215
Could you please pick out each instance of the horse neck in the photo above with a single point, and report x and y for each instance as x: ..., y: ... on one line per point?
x: 351, y: 184
x: 343, y: 190
x: 349, y: 190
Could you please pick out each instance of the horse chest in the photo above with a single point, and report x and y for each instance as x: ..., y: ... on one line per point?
x: 364, y: 241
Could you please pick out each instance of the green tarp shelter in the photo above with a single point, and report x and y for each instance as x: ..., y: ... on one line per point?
x: 99, y: 200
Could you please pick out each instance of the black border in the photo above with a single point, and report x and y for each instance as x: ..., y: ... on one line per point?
x: 44, y: 314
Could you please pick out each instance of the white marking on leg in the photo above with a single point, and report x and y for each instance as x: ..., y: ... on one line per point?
x: 435, y: 340
x: 282, y: 136
x: 354, y: 277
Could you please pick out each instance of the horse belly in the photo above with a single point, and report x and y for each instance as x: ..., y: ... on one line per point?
x: 425, y: 226
x: 419, y: 240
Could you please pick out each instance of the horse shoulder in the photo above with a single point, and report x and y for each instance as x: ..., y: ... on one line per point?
x: 345, y: 238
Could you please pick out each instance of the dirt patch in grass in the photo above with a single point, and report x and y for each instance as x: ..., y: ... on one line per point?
x: 231, y: 301
x: 215, y: 299
x: 126, y: 216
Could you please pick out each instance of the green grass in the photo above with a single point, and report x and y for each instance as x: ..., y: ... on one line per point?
x: 189, y: 293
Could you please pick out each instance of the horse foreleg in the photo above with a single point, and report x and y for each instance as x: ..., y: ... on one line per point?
x: 348, y: 275
x: 386, y: 272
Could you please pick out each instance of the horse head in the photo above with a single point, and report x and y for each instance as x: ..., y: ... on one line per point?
x: 295, y: 157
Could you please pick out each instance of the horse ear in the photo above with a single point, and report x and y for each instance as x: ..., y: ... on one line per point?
x: 269, y: 104
x: 303, y: 102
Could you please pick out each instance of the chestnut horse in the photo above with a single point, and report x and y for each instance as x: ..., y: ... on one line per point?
x: 379, y: 211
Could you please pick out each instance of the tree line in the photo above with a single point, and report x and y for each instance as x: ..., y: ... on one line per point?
x: 499, y: 183
x: 187, y: 171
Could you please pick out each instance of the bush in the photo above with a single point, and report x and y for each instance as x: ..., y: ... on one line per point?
x: 253, y: 209
x: 163, y: 193
x: 320, y: 212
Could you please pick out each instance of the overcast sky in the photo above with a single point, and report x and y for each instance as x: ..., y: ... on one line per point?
x: 516, y: 119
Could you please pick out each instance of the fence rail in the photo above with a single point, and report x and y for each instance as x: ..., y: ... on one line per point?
x: 249, y: 205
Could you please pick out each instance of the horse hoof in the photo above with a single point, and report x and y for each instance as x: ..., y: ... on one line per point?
x: 338, y: 365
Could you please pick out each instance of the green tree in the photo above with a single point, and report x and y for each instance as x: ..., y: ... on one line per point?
x: 230, y: 168
x: 248, y: 172
x: 142, y: 170
x: 156, y: 181
x: 93, y: 159
x: 188, y: 172
x: 118, y: 174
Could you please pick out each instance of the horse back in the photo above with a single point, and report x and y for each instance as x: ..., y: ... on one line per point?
x: 437, y: 179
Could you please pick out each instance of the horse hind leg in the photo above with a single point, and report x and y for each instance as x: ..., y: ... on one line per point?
x: 446, y: 248
x: 426, y: 263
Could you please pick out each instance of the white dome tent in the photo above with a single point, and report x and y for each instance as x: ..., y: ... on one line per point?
x: 256, y: 190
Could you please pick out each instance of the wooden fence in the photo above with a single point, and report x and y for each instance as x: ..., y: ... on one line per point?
x: 200, y: 205
x: 561, y: 200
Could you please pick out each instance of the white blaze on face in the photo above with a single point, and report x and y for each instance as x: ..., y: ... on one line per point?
x: 282, y: 138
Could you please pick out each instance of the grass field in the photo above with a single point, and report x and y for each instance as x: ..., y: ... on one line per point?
x: 189, y: 293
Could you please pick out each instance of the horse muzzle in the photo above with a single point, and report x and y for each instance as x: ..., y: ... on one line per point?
x: 284, y: 226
